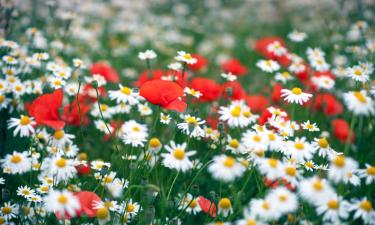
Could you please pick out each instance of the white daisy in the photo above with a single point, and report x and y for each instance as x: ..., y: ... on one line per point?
x: 177, y: 157
x: 225, y: 168
x: 297, y: 36
x: 24, y: 125
x: 124, y: 95
x: 295, y: 95
x: 268, y: 65
x: 17, y: 162
x: 359, y: 103
x: 62, y: 202
x: 192, y: 126
x: 185, y: 57
x: 147, y: 55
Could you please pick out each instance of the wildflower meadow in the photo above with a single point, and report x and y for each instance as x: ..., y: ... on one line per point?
x: 169, y: 112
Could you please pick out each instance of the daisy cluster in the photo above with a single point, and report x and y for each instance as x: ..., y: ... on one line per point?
x: 179, y: 137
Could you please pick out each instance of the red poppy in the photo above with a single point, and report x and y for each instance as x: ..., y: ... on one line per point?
x: 209, y: 88
x: 45, y: 109
x: 87, y: 200
x: 341, y: 130
x: 164, y: 93
x: 261, y: 45
x: 207, y: 206
x: 257, y: 103
x: 328, y: 104
x: 276, y: 94
x: 106, y: 71
x: 212, y: 121
x: 158, y: 74
x: 71, y: 114
x: 279, y: 182
x: 200, y: 64
x: 234, y: 66
x: 304, y: 75
x: 238, y: 92
x: 83, y: 169
x: 266, y: 115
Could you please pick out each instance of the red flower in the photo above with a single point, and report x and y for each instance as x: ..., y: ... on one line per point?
x: 276, y: 94
x: 83, y: 169
x: 164, y: 93
x: 87, y: 200
x: 207, y: 206
x: 237, y: 90
x: 158, y: 74
x: 279, y: 182
x: 261, y: 45
x: 209, y: 88
x: 200, y: 64
x: 328, y: 104
x: 266, y: 115
x: 106, y: 71
x: 71, y: 114
x: 304, y: 75
x: 341, y: 130
x: 234, y: 66
x: 45, y: 109
x: 257, y: 103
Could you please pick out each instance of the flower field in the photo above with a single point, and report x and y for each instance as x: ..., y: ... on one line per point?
x: 167, y: 112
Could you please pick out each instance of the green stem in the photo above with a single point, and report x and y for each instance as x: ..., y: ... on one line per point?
x: 174, y: 181
x: 347, y: 144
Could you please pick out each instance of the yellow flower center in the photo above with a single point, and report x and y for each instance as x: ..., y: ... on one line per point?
x: 246, y: 114
x: 44, y: 188
x: 130, y: 208
x: 272, y: 163
x: 250, y: 222
x: 318, y: 185
x: 333, y: 204
x: 229, y: 162
x: 2, y: 98
x: 371, y: 170
x: 339, y: 161
x: 285, y: 74
x: 103, y: 107
x: 126, y: 90
x: 18, y: 88
x: 187, y: 56
x: 15, y: 159
x: 297, y: 91
x: 309, y: 164
x: 360, y: 97
x: 366, y: 205
x: 283, y: 198
x: 108, y: 179
x: 58, y: 134
x: 102, y: 213
x: 61, y: 163
x: 299, y: 146
x: 57, y: 82
x: 136, y: 129
x: 323, y: 143
x: 234, y: 143
x: 257, y: 138
x: 271, y: 137
x: 225, y: 203
x: 154, y: 143
x: 236, y: 111
x: 62, y: 199
x: 191, y: 120
x: 291, y: 171
x: 6, y: 210
x: 265, y: 205
x: 358, y: 72
x: 179, y: 154
x: 193, y: 204
x: 25, y: 120
x: 25, y: 192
